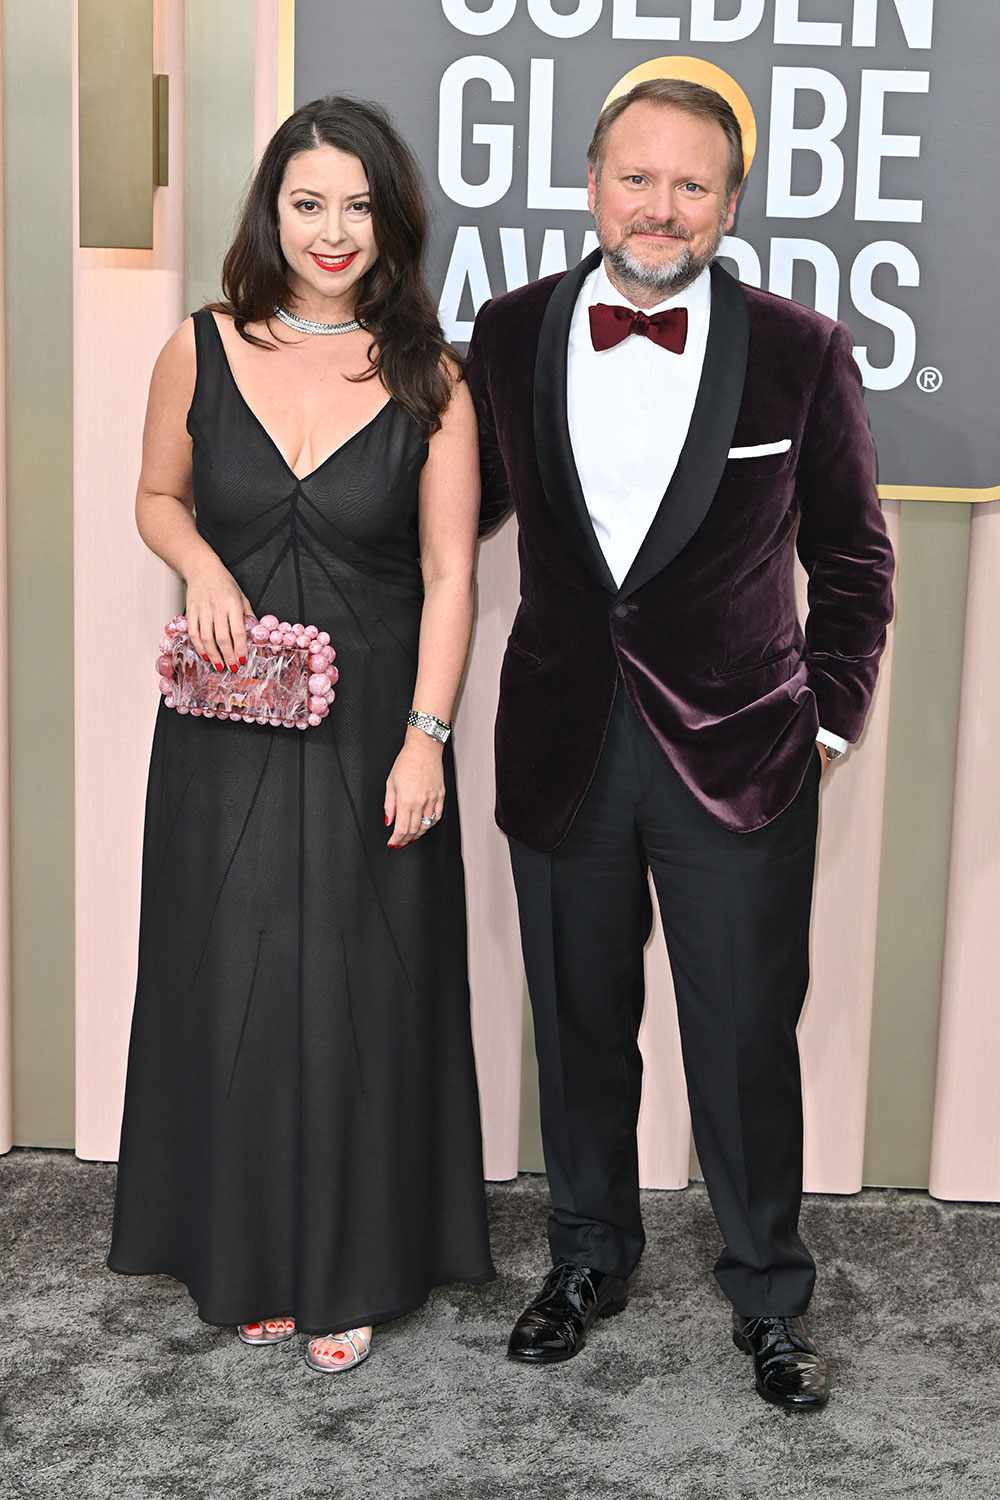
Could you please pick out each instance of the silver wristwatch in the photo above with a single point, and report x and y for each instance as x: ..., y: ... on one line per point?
x: 436, y: 728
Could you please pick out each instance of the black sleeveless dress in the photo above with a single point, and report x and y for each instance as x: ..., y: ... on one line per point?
x: 301, y: 1133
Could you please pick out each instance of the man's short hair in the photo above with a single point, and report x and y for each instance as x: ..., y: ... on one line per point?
x: 693, y: 99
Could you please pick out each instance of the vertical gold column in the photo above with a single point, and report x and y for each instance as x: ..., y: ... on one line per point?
x: 38, y: 88
x: 220, y: 60
x: 916, y: 841
x: 6, y: 1060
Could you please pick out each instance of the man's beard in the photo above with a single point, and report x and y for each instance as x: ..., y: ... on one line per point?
x: 670, y: 276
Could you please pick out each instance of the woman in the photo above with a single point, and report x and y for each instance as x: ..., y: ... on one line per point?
x: 301, y: 1141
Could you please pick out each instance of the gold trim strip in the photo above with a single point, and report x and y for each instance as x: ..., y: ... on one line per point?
x: 286, y: 60
x: 938, y: 492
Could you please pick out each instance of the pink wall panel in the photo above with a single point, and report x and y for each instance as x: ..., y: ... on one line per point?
x: 664, y: 1118
x: 965, y: 1157
x: 836, y: 1025
x: 265, y: 99
x: 496, y: 975
x: 6, y: 1102
x: 127, y: 303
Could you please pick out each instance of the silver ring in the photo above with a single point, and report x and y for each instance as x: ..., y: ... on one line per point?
x: 427, y: 822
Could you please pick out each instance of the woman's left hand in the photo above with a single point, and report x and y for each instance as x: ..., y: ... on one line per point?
x: 414, y: 789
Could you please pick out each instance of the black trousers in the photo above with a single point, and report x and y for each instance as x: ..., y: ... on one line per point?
x: 735, y: 910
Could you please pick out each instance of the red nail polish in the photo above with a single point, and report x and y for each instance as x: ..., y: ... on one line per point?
x: 243, y: 661
x: 218, y: 666
x: 387, y: 822
x: 204, y: 656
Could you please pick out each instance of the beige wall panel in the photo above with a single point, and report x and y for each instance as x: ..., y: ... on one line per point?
x: 6, y: 1060
x: 930, y: 629
x: 115, y: 119
x: 965, y: 1161
x: 38, y: 63
x: 220, y: 69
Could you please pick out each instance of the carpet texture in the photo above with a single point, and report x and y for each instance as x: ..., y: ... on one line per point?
x: 113, y: 1388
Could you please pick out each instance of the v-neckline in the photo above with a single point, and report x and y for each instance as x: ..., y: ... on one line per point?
x: 299, y: 478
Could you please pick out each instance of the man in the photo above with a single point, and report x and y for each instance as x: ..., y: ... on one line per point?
x: 668, y: 438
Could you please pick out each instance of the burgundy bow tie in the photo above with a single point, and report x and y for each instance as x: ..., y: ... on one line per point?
x: 609, y: 325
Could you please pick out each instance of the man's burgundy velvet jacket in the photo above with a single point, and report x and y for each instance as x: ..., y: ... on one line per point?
x: 703, y: 633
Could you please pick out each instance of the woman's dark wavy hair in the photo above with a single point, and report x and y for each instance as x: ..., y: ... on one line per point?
x: 392, y: 299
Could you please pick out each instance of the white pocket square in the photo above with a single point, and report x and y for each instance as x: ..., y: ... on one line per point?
x: 761, y: 450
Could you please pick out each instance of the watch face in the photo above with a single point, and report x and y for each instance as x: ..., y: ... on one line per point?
x: 429, y: 725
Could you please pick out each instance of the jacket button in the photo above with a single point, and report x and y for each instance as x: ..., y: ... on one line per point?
x: 622, y: 611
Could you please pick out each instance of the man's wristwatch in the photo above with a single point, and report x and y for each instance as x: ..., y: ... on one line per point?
x: 436, y: 728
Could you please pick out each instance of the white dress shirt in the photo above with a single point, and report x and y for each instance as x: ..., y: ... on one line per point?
x: 629, y: 409
x: 641, y: 397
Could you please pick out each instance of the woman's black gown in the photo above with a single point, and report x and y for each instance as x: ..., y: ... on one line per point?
x: 301, y: 1133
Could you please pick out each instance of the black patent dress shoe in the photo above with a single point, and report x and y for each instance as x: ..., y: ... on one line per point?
x: 789, y: 1370
x: 554, y: 1325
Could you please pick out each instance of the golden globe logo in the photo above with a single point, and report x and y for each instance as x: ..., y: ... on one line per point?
x: 816, y: 152
x: 697, y: 70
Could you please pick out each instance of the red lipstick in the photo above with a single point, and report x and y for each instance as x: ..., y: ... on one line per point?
x: 334, y: 263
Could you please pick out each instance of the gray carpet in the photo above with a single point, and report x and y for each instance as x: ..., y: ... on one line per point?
x: 113, y: 1388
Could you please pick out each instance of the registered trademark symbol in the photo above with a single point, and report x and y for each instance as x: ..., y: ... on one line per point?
x: 930, y: 379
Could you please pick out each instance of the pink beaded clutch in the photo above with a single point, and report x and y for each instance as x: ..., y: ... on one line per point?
x: 287, y: 678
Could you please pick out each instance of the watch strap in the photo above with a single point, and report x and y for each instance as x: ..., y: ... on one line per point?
x: 436, y: 728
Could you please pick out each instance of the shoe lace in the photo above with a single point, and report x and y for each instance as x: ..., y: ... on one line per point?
x: 568, y: 1277
x: 780, y: 1332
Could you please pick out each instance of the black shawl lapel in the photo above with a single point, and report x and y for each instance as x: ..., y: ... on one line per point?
x: 553, y: 449
x: 706, y: 448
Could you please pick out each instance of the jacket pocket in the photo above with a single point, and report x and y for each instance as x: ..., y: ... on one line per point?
x: 524, y: 653
x: 756, y: 462
x: 756, y: 666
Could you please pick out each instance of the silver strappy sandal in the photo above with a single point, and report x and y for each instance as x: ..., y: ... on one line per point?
x: 359, y: 1341
x: 272, y: 1331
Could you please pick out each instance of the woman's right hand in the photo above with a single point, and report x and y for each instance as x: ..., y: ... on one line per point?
x: 215, y: 613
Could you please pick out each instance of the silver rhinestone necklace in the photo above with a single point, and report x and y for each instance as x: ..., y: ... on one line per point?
x: 306, y: 325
